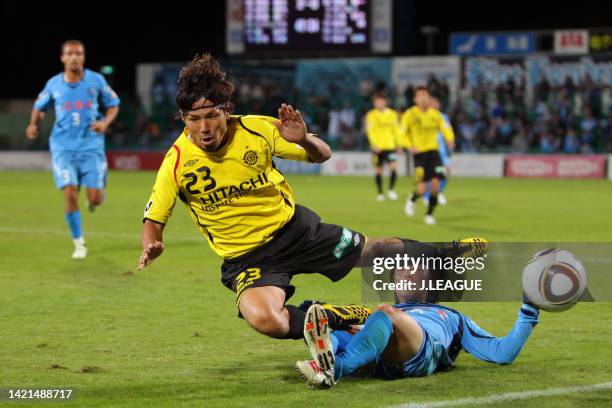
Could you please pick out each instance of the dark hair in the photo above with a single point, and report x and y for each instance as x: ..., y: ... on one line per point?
x: 203, y: 78
x: 379, y: 95
x: 71, y: 42
x: 421, y: 88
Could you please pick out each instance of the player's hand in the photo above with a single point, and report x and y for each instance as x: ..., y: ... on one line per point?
x: 32, y: 132
x: 375, y: 150
x: 414, y: 150
x: 451, y: 146
x: 291, y: 126
x: 389, y: 310
x: 149, y: 254
x: 99, y: 126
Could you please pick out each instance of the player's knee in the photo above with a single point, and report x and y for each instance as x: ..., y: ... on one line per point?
x: 382, y: 317
x: 71, y: 195
x: 95, y: 199
x: 269, y: 322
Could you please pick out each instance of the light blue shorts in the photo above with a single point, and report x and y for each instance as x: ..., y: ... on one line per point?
x: 431, y: 357
x: 74, y: 168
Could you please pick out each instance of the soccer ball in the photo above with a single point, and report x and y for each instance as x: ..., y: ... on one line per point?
x: 554, y: 280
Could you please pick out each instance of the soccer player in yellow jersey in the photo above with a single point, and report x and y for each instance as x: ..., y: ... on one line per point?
x: 221, y: 168
x: 382, y: 127
x: 420, y: 126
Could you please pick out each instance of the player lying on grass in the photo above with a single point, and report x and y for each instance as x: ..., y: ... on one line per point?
x: 221, y: 168
x: 405, y: 340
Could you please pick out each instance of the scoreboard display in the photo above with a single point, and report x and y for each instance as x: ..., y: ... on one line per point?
x: 307, y: 25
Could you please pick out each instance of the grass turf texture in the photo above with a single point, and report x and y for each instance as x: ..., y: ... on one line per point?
x: 169, y: 335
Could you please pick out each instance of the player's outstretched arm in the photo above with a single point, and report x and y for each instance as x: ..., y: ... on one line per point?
x: 499, y: 350
x: 292, y: 128
x: 152, y: 245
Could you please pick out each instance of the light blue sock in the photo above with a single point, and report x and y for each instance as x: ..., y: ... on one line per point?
x: 442, y: 185
x: 74, y: 223
x: 427, y: 192
x: 340, y: 339
x: 365, y: 346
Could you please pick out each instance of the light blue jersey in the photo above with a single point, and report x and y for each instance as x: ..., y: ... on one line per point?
x: 443, y: 323
x: 446, y: 332
x: 77, y: 106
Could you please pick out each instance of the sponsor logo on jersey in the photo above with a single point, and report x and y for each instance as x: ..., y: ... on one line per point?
x: 250, y: 157
x: 190, y: 163
x: 345, y: 241
x: 226, y: 195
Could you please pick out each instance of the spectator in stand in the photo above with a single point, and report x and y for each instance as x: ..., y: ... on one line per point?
x: 333, y: 128
x: 571, y: 143
x: 607, y: 132
x: 349, y: 138
x: 588, y: 127
x: 548, y: 143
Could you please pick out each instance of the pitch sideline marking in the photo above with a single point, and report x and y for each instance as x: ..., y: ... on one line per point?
x: 508, y: 396
x: 90, y: 234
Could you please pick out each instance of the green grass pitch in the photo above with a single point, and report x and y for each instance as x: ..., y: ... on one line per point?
x: 169, y: 335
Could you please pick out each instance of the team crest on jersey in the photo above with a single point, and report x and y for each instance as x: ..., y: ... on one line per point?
x: 93, y: 92
x: 250, y: 158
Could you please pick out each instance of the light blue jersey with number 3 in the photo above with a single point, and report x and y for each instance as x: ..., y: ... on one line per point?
x: 77, y: 106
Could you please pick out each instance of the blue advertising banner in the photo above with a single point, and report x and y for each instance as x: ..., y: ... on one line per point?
x: 492, y: 43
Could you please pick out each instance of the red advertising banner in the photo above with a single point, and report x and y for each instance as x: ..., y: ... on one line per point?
x: 134, y: 160
x: 556, y: 166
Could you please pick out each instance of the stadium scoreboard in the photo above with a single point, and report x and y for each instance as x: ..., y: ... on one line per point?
x: 269, y: 26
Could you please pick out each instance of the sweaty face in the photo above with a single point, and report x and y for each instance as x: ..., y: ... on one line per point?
x: 207, y: 125
x: 73, y: 57
x: 421, y: 99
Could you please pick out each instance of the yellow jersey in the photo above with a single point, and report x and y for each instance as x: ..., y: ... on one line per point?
x: 420, y: 129
x: 235, y: 195
x: 382, y: 128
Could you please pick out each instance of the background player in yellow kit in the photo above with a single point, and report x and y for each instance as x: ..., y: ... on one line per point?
x: 420, y: 126
x: 382, y: 127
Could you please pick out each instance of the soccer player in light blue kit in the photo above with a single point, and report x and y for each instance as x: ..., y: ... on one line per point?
x: 407, y: 339
x: 77, y: 139
x: 444, y: 157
